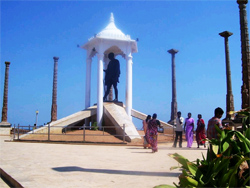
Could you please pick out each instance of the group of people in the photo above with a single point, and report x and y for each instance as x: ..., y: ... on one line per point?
x: 150, y: 127
x: 187, y: 126
x: 188, y: 129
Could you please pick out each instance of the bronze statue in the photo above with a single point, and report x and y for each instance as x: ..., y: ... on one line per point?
x: 112, y: 75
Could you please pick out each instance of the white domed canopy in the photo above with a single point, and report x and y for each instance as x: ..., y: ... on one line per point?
x: 112, y: 32
x: 111, y: 36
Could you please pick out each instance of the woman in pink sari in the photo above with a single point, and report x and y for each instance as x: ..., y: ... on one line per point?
x: 152, y: 133
x: 200, y: 131
x: 189, y: 128
x: 145, y: 128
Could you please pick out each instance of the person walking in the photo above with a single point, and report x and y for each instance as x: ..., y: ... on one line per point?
x: 145, y: 127
x: 152, y: 133
x: 216, y: 120
x: 178, y: 129
x: 200, y: 132
x: 211, y: 131
x: 189, y: 129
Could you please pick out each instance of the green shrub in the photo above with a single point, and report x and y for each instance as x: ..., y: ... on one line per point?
x: 94, y: 126
x: 226, y: 165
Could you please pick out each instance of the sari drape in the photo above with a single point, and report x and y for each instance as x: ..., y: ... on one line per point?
x: 200, y: 132
x: 151, y: 134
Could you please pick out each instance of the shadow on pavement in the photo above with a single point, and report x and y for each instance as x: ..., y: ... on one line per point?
x: 109, y: 171
x: 183, y: 148
x: 169, y: 148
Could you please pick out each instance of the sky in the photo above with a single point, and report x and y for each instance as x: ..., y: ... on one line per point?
x: 33, y: 32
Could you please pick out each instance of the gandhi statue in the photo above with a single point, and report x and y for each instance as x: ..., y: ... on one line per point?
x: 112, y: 76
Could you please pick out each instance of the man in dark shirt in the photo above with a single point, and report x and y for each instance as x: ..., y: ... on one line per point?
x: 112, y: 75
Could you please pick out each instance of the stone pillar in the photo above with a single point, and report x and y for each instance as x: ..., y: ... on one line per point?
x: 4, y: 122
x: 88, y: 87
x: 230, y: 98
x: 174, y: 100
x: 245, y: 54
x: 54, y: 94
x: 100, y: 90
x: 88, y: 82
x: 129, y: 85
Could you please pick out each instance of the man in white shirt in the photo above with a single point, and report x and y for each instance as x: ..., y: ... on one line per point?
x: 178, y: 129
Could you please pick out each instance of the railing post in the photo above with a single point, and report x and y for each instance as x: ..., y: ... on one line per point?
x: 102, y: 130
x: 14, y: 132
x: 49, y: 132
x: 84, y: 132
x: 18, y: 131
x: 29, y: 127
x: 123, y: 132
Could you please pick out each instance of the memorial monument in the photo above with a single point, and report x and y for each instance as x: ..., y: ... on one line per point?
x: 110, y: 113
x: 110, y: 39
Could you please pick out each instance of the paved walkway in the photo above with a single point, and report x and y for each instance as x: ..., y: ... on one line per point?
x: 39, y: 165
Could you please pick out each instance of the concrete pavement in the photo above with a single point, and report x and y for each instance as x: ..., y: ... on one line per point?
x: 39, y: 165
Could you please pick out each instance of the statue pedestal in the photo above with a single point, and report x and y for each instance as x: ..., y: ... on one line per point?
x: 5, y: 128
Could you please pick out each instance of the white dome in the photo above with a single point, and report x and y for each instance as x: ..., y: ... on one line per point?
x: 112, y: 32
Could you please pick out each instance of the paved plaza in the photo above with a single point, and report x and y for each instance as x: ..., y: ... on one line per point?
x: 39, y: 165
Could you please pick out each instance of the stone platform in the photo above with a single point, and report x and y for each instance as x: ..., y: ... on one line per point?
x: 42, y: 165
x: 114, y: 114
x: 5, y: 131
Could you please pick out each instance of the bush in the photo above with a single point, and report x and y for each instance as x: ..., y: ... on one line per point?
x: 226, y: 165
x: 94, y: 126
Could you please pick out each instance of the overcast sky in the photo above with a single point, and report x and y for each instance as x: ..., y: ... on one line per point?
x: 33, y: 32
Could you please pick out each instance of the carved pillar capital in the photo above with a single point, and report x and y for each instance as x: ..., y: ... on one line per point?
x: 7, y: 63
x: 173, y: 51
x: 242, y: 1
x: 56, y: 59
x: 225, y: 34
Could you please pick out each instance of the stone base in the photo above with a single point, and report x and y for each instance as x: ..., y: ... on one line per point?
x: 5, y: 131
x: 120, y: 103
x: 5, y: 124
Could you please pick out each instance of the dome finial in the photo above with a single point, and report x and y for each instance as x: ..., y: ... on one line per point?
x: 111, y: 18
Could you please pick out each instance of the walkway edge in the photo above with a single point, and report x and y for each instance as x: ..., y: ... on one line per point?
x: 10, y: 179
